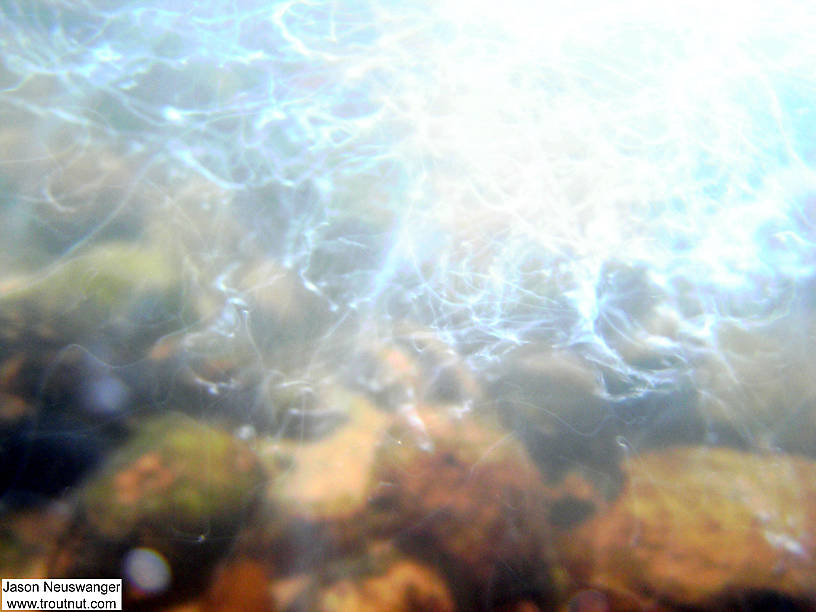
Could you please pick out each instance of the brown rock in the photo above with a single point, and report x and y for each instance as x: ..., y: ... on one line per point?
x: 705, y: 528
x: 465, y: 496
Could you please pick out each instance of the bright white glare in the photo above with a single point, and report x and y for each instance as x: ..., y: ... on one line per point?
x: 613, y: 131
x: 510, y: 153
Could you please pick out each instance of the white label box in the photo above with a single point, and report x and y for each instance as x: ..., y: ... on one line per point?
x: 61, y: 594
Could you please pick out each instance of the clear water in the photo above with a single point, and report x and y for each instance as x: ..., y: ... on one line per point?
x: 604, y: 215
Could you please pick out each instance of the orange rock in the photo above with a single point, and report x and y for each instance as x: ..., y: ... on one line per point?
x: 240, y: 586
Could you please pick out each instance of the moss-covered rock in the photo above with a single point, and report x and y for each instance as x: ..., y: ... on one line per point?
x: 704, y: 528
x: 115, y: 300
x: 179, y: 487
x: 465, y: 496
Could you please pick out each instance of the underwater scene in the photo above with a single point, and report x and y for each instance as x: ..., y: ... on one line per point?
x: 423, y: 305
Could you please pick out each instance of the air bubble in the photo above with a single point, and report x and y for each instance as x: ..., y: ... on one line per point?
x: 147, y: 570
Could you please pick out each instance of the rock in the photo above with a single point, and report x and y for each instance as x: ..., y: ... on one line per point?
x: 379, y: 579
x: 465, y: 496
x: 71, y: 342
x: 589, y: 600
x: 115, y: 301
x: 304, y: 411
x: 180, y: 488
x: 404, y: 586
x: 61, y: 409
x: 190, y: 606
x: 65, y: 194
x: 552, y: 400
x: 519, y: 606
x: 758, y: 383
x: 574, y: 499
x: 241, y: 585
x: 219, y: 376
x: 207, y: 374
x: 445, y: 377
x: 349, y: 251
x: 289, y: 592
x: 413, y: 365
x: 322, y: 486
x: 637, y: 319
x: 27, y: 538
x: 704, y: 528
x: 286, y: 316
x: 196, y: 217
x: 386, y: 373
